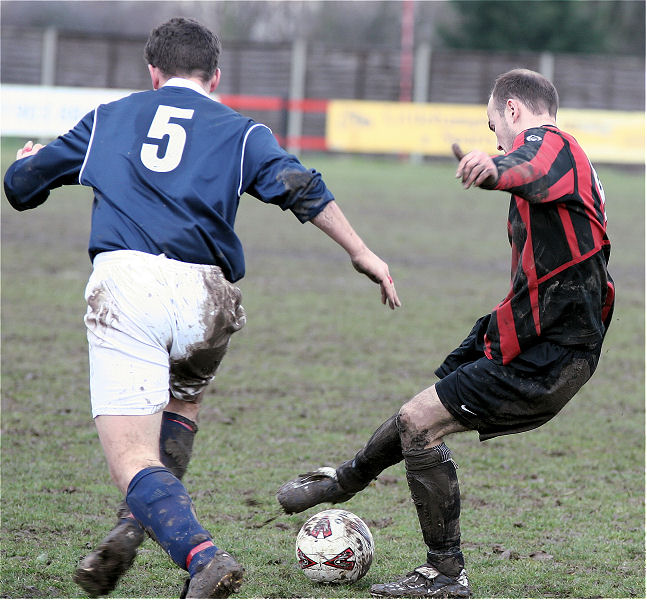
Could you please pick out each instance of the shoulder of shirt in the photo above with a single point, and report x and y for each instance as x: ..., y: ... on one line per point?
x: 538, y: 135
x: 190, y: 90
x: 534, y: 134
x: 183, y: 86
x: 173, y: 85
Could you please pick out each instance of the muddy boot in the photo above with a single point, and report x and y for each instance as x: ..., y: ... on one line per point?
x: 338, y: 485
x: 219, y: 578
x: 310, y: 489
x: 99, y: 572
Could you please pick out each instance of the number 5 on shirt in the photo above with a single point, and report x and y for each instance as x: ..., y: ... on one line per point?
x: 160, y: 127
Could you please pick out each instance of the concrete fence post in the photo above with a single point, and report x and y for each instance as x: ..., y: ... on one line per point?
x: 48, y: 59
x: 422, y: 70
x: 298, y: 67
x: 547, y: 65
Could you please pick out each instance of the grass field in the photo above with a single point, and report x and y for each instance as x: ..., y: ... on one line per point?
x: 557, y: 512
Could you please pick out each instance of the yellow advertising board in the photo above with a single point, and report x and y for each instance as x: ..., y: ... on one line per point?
x: 430, y: 129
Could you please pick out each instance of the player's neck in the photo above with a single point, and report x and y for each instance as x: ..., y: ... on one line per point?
x: 159, y: 79
x: 532, y: 121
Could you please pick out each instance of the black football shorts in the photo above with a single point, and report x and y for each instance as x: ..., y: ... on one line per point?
x: 496, y: 399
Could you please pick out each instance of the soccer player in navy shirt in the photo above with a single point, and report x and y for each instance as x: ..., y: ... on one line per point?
x: 168, y: 168
x: 522, y: 362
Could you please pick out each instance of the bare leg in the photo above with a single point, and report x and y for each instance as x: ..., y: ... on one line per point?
x: 130, y: 444
x: 190, y: 410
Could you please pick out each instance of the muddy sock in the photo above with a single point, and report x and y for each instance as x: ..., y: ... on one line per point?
x: 432, y: 479
x: 382, y: 450
x: 176, y: 442
x: 162, y: 506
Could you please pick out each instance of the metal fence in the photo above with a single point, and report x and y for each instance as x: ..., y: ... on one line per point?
x: 312, y: 70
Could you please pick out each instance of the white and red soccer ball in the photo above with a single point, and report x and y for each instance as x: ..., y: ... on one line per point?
x: 334, y: 546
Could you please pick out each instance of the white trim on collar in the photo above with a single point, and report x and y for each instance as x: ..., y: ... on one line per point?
x: 186, y: 83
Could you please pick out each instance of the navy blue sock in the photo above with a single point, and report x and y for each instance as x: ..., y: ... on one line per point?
x: 162, y: 506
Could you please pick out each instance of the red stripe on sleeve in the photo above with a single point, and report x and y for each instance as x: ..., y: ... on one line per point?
x: 525, y: 173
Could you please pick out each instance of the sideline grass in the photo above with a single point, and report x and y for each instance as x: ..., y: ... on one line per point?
x: 557, y: 512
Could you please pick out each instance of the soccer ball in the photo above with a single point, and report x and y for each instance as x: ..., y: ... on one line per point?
x: 334, y: 546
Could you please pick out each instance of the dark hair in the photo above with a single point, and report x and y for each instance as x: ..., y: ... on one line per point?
x: 532, y: 88
x: 183, y: 47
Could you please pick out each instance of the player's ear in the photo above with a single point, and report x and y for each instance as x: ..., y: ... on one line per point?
x: 513, y: 106
x: 156, y: 78
x: 214, y: 81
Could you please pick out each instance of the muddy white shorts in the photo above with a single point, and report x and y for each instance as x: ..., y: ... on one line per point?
x: 155, y: 326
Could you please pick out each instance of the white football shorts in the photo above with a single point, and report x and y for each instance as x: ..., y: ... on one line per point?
x: 155, y: 326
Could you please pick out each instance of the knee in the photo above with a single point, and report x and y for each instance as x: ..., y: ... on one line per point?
x: 408, y: 417
x: 420, y: 421
x: 416, y: 414
x: 416, y: 429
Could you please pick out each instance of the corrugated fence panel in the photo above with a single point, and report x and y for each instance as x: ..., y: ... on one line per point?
x: 129, y: 70
x: 21, y: 54
x: 362, y: 73
x: 82, y: 61
x: 467, y: 77
x: 617, y: 83
x: 332, y: 73
x: 256, y: 69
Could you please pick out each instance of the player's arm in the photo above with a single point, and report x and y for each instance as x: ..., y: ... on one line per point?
x: 39, y: 169
x: 529, y: 171
x: 276, y: 177
x: 332, y: 221
x: 476, y: 168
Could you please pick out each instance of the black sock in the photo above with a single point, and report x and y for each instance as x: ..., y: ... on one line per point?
x: 176, y: 442
x: 382, y: 450
x: 432, y: 479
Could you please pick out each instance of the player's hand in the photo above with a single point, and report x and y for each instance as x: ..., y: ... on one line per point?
x: 475, y: 168
x: 29, y: 149
x: 377, y: 270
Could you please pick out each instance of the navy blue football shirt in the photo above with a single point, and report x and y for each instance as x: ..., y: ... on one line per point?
x: 168, y: 168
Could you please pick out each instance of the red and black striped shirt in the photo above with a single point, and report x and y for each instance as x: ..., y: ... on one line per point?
x: 560, y: 288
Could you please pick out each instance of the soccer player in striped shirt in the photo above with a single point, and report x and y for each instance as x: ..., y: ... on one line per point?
x: 522, y: 362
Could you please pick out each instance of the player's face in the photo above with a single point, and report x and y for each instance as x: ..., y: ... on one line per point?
x: 501, y: 125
